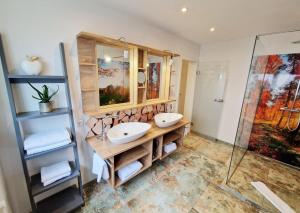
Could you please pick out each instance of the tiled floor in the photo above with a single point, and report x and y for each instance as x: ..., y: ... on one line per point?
x: 186, y: 181
x: 282, y: 180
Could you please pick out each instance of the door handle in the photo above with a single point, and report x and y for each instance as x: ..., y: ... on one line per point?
x: 220, y: 100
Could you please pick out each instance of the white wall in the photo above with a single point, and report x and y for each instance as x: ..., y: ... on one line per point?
x: 36, y: 27
x: 237, y: 54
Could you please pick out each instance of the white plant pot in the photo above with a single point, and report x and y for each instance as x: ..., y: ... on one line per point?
x: 46, y: 107
x: 31, y: 67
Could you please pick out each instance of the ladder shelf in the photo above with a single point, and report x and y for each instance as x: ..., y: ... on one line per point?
x: 72, y: 197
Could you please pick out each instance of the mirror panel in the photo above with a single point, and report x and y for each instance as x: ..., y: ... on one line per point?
x: 113, y: 65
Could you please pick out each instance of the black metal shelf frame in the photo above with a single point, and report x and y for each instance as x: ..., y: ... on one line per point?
x: 57, y: 202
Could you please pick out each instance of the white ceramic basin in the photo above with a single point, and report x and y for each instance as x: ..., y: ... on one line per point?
x: 163, y: 120
x: 127, y: 132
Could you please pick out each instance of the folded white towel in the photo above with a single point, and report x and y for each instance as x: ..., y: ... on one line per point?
x: 170, y: 147
x: 127, y: 171
x: 45, y: 148
x: 56, y: 178
x: 46, y: 138
x: 54, y: 170
x: 100, y: 168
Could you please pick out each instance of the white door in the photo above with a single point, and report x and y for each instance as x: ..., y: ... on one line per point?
x: 209, y: 97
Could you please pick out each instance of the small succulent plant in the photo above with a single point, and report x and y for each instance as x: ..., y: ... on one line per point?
x: 43, y: 96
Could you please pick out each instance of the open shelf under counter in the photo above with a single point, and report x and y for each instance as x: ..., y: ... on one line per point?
x: 120, y: 182
x: 171, y: 137
x: 164, y: 155
x: 130, y: 156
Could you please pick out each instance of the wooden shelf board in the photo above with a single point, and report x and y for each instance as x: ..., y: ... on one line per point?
x: 18, y: 79
x: 89, y: 90
x: 129, y: 156
x: 29, y: 157
x: 37, y: 186
x: 119, y: 182
x: 156, y: 158
x: 117, y: 42
x: 37, y: 114
x: 64, y: 201
x: 141, y: 87
x: 88, y: 71
x: 164, y: 155
x: 141, y: 68
x: 87, y: 64
x: 119, y: 108
x: 171, y: 137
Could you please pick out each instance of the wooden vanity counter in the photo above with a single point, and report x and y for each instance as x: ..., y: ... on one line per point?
x: 147, y: 149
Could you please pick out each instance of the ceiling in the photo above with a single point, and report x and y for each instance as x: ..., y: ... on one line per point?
x: 230, y: 18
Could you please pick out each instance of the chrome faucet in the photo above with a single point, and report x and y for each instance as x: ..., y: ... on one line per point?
x: 103, y: 134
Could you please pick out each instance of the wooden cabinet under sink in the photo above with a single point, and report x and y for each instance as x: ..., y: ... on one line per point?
x: 146, y: 149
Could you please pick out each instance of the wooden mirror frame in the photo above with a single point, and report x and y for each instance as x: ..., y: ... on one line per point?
x: 87, y: 59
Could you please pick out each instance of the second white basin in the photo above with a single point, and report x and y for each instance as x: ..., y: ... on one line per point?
x: 127, y: 132
x: 163, y: 120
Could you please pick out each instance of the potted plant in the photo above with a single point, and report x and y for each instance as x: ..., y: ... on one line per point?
x: 45, y: 104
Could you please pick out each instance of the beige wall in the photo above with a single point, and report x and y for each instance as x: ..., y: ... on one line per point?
x: 36, y: 27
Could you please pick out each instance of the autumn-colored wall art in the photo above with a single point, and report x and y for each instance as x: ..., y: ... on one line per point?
x: 275, y: 131
x: 153, y: 80
x: 113, y: 82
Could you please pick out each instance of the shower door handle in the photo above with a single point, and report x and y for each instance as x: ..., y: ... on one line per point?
x: 219, y: 100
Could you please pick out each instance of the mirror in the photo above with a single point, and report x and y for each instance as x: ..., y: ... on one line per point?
x: 113, y: 74
x: 154, y: 73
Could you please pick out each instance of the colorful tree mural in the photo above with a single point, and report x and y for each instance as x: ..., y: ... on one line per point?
x: 275, y: 131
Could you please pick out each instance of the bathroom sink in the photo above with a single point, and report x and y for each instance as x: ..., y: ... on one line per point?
x: 127, y: 132
x: 163, y: 120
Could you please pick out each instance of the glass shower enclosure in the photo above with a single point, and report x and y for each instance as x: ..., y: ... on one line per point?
x: 269, y: 124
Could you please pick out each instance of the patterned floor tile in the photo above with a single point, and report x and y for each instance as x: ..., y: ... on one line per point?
x: 187, y: 182
x: 216, y: 200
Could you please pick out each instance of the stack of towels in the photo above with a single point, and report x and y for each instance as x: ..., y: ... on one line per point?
x: 46, y: 140
x: 54, y: 172
x: 170, y: 147
x: 129, y: 170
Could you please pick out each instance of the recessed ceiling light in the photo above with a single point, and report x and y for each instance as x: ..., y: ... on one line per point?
x: 183, y: 9
x: 212, y: 29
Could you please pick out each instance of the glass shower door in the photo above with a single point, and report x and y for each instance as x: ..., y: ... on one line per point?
x: 250, y: 102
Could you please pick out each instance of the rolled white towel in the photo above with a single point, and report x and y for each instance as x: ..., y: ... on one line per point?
x: 54, y: 170
x: 56, y: 178
x: 45, y: 148
x: 100, y: 168
x: 129, y: 170
x: 46, y: 138
x: 170, y: 147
